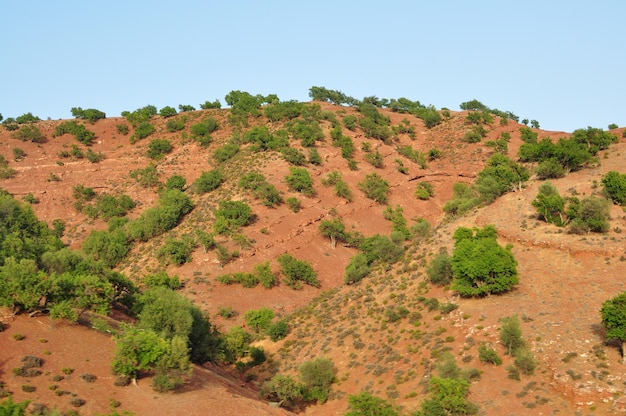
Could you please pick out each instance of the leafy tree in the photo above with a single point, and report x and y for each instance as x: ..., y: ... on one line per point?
x: 176, y: 251
x: 364, y: 404
x: 333, y: 229
x: 592, y: 215
x: 511, y: 335
x: 473, y: 105
x: 172, y: 206
x: 613, y: 314
x: 208, y: 105
x: 176, y: 182
x: 375, y: 188
x: 162, y: 279
x: 186, y: 108
x: 22, y: 285
x: 448, y: 396
x: 381, y: 248
x: 231, y: 215
x: 278, y: 330
x: 317, y: 376
x: 294, y: 156
x: 299, y: 180
x: 297, y: 272
x: 226, y: 152
x: 157, y: 148
x: 357, y: 269
x: 499, y: 176
x: 282, y: 388
x: 259, y: 319
x: 550, y: 205
x: 285, y: 110
x: 110, y: 247
x: 480, y: 265
x: 90, y: 114
x: 208, y: 181
x: 138, y: 350
x: 439, y: 269
x: 550, y: 169
x: 167, y: 111
x: 615, y: 187
x: 142, y: 130
x: 29, y: 132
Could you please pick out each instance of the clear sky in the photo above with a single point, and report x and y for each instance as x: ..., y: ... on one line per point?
x: 562, y: 63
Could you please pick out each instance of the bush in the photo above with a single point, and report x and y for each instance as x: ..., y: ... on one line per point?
x: 615, y: 187
x: 147, y: 177
x: 175, y: 251
x: 550, y: 169
x: 511, y: 335
x: 317, y: 376
x: 294, y: 204
x: 439, y: 270
x: 264, y: 274
x: 167, y: 111
x: 299, y: 180
x: 357, y: 269
x: 176, y: 182
x: 90, y: 114
x: 294, y: 156
x: 211, y: 105
x: 480, y: 265
x: 208, y: 181
x: 122, y: 129
x: 259, y: 319
x: 374, y: 159
x: 278, y: 330
x: 142, y: 131
x: 29, y: 132
x: 488, y: 355
x: 158, y: 148
x: 175, y: 125
x: 231, y: 215
x: 225, y: 152
x: 297, y: 272
x: 424, y: 191
x: 364, y: 404
x: 375, y: 188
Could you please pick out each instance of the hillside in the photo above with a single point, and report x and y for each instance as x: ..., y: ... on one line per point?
x: 564, y: 278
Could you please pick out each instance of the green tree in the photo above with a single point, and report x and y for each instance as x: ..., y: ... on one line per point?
x: 511, y: 335
x: 613, y: 313
x: 282, y: 388
x: 299, y: 180
x: 157, y: 148
x: 333, y: 229
x: 357, y: 269
x: 208, y: 181
x: 297, y: 272
x: 615, y: 187
x: 375, y: 188
x: 448, y: 396
x: 550, y: 205
x: 364, y: 404
x: 480, y: 265
x: 138, y: 350
x: 231, y: 215
x: 259, y: 319
x: 439, y: 269
x: 317, y: 376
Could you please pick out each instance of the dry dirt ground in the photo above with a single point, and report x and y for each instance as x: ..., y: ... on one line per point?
x: 564, y: 278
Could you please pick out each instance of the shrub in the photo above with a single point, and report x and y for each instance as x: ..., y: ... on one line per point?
x: 615, y: 187
x: 297, y: 272
x: 364, y: 404
x: 175, y: 125
x: 317, y: 376
x: 176, y: 182
x: 122, y: 129
x: 357, y: 269
x: 299, y: 180
x: 314, y: 157
x: 381, y: 248
x: 26, y: 118
x: 176, y: 251
x: 90, y: 114
x: 424, y: 191
x: 186, y: 108
x: 283, y: 389
x: 439, y: 270
x: 29, y: 132
x: 264, y: 273
x: 294, y: 204
x: 488, y: 355
x: 208, y: 181
x: 480, y: 265
x: 147, y: 177
x: 278, y: 330
x: 94, y: 157
x: 18, y: 154
x: 294, y: 156
x: 375, y: 188
x: 225, y: 152
x: 550, y: 169
x: 208, y: 105
x: 259, y: 319
x: 167, y: 111
x: 511, y: 335
x: 157, y: 148
x: 525, y: 361
x: 142, y: 130
x: 231, y: 215
x: 374, y: 159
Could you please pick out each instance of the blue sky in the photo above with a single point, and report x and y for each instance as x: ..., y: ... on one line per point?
x: 562, y: 63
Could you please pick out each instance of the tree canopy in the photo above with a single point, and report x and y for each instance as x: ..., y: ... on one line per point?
x: 480, y: 265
